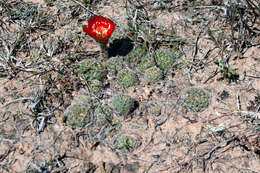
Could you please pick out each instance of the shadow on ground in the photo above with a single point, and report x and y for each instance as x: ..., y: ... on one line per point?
x: 120, y: 47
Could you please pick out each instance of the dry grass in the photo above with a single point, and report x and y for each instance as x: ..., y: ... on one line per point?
x: 213, y: 45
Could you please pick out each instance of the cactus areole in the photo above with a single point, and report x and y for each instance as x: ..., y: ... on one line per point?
x: 99, y: 28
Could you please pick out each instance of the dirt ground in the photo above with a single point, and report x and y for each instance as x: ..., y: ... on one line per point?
x: 218, y: 43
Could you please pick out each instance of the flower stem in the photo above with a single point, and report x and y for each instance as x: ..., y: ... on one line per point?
x: 103, y: 53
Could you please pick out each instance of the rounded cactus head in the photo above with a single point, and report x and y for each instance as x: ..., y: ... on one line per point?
x: 78, y: 115
x: 165, y: 58
x: 195, y: 99
x: 153, y: 74
x: 126, y: 78
x: 123, y: 104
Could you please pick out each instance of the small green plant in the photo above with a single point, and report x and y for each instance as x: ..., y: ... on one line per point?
x: 90, y: 69
x: 154, y: 109
x: 217, y: 129
x: 195, y: 99
x: 123, y: 104
x: 145, y: 63
x: 86, y: 1
x: 227, y: 73
x: 125, y: 143
x: 126, y: 78
x: 153, y: 74
x: 165, y: 58
x: 114, y: 64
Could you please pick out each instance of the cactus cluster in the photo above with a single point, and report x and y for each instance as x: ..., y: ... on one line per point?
x: 84, y: 110
x: 152, y: 68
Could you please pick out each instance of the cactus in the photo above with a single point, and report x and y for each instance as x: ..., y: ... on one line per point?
x: 153, y: 74
x: 165, y: 59
x: 103, y: 114
x: 114, y: 64
x: 78, y: 115
x: 126, y: 78
x: 195, y: 99
x: 123, y: 104
x: 145, y: 63
x: 91, y: 69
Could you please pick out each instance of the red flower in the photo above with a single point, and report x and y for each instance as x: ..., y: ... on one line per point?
x: 99, y: 28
